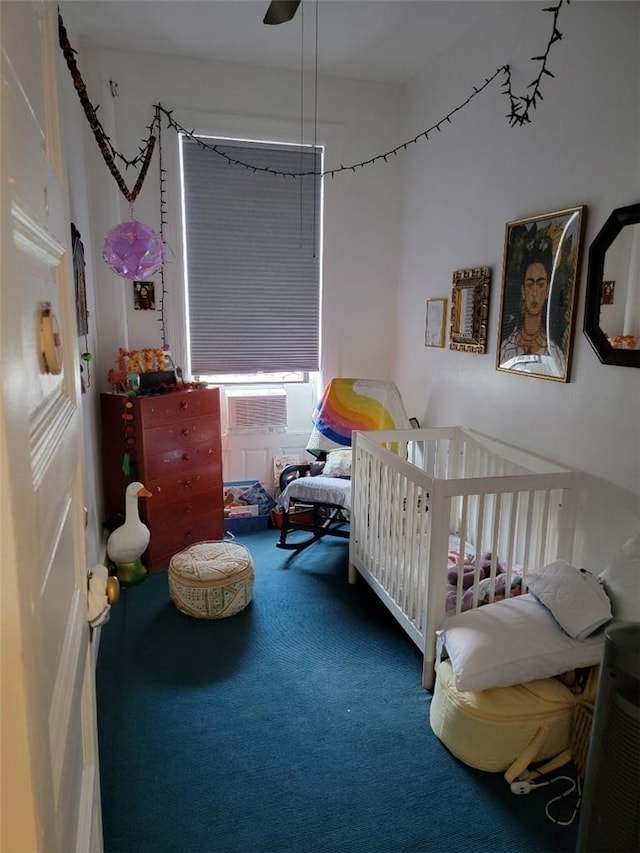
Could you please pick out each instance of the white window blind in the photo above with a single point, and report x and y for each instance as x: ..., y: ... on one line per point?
x: 252, y: 243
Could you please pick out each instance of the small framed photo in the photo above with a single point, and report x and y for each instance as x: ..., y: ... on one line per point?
x: 436, y: 320
x: 541, y: 269
x: 608, y: 289
x: 144, y: 298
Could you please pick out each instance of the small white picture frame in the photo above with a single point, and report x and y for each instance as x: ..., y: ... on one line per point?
x: 436, y: 323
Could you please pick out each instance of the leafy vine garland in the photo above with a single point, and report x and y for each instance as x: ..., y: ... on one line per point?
x: 109, y: 152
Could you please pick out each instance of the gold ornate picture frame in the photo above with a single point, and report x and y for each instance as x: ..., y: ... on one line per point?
x: 470, y: 309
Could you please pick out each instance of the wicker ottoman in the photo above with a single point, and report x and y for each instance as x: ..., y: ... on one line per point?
x: 211, y: 580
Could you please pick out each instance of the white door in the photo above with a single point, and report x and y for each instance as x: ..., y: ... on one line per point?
x: 50, y: 781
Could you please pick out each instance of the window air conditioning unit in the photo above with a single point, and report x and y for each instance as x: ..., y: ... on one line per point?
x: 256, y: 408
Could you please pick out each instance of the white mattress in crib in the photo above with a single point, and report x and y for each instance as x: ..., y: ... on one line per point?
x: 489, y: 729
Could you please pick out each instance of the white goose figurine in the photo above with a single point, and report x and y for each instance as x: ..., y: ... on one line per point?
x: 127, y: 543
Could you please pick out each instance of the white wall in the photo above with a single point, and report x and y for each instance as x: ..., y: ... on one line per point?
x: 460, y: 189
x: 462, y: 186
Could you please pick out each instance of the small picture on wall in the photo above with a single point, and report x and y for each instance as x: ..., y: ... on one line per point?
x: 144, y: 298
x: 79, y: 281
x: 541, y: 268
x: 436, y: 317
x: 608, y: 289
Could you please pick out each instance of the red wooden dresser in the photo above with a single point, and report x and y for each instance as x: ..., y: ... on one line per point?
x: 178, y: 457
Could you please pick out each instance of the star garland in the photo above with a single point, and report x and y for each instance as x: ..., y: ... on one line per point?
x: 519, y: 114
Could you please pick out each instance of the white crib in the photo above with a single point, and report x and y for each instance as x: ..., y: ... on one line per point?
x: 412, y: 490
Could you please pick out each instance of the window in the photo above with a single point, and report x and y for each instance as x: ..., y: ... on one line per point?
x: 252, y: 258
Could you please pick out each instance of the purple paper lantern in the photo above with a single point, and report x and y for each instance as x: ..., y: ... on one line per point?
x: 133, y: 250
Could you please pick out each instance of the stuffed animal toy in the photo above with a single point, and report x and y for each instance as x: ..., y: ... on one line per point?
x: 468, y: 570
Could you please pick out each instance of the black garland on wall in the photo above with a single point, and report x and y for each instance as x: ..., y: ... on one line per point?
x: 105, y: 145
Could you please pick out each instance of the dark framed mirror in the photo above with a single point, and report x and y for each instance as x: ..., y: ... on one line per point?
x: 612, y: 307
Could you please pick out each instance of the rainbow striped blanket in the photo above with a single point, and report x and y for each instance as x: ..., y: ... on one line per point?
x: 354, y: 404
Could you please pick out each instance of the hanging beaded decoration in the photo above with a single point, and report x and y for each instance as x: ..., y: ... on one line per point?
x: 129, y: 458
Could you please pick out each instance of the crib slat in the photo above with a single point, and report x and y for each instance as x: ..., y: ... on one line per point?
x: 494, y: 545
x: 478, y: 539
x: 461, y: 526
x: 527, y: 535
x: 543, y: 532
x: 513, y: 515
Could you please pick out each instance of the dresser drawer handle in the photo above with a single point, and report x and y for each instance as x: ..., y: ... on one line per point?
x: 186, y: 484
x: 185, y: 457
x: 184, y: 404
x: 185, y: 431
x: 188, y: 534
x: 188, y: 509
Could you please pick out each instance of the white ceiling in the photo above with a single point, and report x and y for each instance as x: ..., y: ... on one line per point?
x: 375, y: 40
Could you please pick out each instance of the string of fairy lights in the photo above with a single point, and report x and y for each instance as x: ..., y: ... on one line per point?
x: 520, y: 110
x: 163, y: 226
x: 519, y: 114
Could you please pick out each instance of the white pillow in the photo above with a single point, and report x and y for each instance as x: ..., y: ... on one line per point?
x: 575, y: 598
x: 338, y: 463
x: 622, y: 581
x: 510, y: 642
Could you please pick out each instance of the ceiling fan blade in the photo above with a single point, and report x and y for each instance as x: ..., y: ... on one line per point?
x: 280, y: 11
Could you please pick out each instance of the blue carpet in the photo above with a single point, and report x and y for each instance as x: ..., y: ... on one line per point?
x: 299, y: 724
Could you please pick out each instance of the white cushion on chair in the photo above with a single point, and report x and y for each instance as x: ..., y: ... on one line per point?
x: 320, y: 489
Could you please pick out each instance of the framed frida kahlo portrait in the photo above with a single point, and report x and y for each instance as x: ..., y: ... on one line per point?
x: 541, y: 269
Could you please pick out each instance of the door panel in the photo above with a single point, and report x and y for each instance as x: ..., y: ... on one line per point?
x: 50, y: 781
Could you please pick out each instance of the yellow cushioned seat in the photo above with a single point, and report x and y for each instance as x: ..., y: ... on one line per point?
x: 489, y: 729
